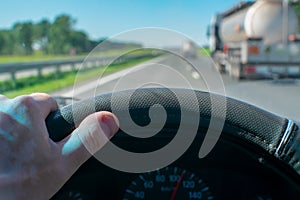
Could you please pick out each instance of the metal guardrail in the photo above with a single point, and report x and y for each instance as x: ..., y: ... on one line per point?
x: 14, y: 68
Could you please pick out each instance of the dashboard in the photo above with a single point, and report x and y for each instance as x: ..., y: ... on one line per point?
x: 234, y: 169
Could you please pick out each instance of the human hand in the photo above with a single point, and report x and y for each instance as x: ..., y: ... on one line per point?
x: 32, y: 166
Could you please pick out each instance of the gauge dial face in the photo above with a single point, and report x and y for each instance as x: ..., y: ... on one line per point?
x: 169, y: 183
x: 72, y: 195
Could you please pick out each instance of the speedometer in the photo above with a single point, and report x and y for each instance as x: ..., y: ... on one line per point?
x: 169, y: 183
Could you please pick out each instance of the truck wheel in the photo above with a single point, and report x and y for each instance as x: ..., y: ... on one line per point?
x: 235, y: 72
x: 217, y: 62
x: 220, y: 68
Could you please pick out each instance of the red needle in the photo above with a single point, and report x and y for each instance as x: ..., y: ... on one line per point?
x: 177, y: 186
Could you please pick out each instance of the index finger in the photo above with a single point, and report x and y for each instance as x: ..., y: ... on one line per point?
x: 45, y: 103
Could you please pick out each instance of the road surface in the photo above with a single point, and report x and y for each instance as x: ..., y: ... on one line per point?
x: 280, y: 97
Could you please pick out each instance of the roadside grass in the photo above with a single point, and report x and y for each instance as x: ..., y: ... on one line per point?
x: 36, y: 57
x: 42, y: 57
x: 204, y: 51
x: 52, y: 82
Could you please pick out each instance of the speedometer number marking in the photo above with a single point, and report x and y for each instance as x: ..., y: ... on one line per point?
x: 170, y: 183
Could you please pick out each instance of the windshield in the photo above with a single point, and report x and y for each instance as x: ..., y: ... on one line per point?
x: 245, y: 50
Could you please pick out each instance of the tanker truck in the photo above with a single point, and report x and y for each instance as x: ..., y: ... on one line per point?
x: 254, y: 39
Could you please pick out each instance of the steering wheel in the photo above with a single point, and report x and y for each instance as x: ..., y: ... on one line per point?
x: 269, y: 140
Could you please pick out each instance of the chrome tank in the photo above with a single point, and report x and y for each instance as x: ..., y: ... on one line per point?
x: 272, y: 20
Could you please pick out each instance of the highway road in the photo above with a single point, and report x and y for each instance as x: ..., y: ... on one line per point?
x: 280, y: 97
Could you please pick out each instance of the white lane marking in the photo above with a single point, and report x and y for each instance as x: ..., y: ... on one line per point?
x: 106, y: 79
x: 195, y: 75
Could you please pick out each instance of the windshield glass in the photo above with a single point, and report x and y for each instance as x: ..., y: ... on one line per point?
x: 245, y: 50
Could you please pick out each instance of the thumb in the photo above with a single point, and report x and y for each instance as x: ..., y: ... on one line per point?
x: 91, y: 135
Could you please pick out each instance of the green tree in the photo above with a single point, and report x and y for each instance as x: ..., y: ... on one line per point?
x: 26, y: 37
x: 23, y: 35
x: 296, y: 6
x: 17, y: 46
x: 41, y: 32
x: 79, y: 41
x: 59, y: 35
x: 7, y: 42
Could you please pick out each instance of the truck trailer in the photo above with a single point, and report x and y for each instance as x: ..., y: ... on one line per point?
x: 256, y: 39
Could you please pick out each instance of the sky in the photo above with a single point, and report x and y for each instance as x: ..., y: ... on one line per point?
x: 108, y: 18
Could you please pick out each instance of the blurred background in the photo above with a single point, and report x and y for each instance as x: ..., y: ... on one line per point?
x: 45, y: 44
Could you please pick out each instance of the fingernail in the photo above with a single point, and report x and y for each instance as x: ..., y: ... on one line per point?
x: 111, y: 122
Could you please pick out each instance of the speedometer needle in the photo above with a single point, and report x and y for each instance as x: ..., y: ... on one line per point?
x: 177, y: 186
